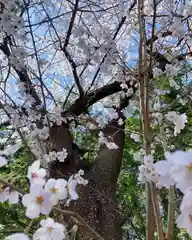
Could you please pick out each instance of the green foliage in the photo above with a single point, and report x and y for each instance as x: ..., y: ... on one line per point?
x: 131, y: 194
x: 12, y: 217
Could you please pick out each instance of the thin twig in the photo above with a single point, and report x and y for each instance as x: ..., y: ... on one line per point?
x: 80, y: 219
x: 170, y: 223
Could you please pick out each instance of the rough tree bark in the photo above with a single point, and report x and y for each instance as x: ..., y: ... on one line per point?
x: 97, y: 203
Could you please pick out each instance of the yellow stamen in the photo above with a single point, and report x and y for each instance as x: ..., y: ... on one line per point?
x: 53, y: 190
x: 49, y: 229
x: 39, y: 200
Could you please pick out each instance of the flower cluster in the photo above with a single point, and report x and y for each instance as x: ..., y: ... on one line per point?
x: 49, y: 230
x: 41, y: 199
x: 178, y: 120
x: 175, y: 170
x: 155, y: 172
x: 53, y: 156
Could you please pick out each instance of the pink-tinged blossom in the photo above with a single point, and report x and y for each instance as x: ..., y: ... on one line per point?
x: 37, y: 201
x: 36, y: 175
x: 50, y: 230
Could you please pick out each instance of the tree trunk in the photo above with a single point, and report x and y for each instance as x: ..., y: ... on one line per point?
x: 97, y: 203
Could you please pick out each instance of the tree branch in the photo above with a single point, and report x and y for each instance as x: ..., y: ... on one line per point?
x: 23, y: 76
x: 170, y: 223
x: 81, y: 105
x: 76, y: 217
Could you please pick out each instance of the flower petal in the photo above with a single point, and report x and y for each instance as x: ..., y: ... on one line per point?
x: 33, y: 211
x: 36, y: 189
x: 50, y: 184
x: 47, y: 222
x: 27, y: 199
x: 41, y: 233
x: 62, y: 194
x: 35, y: 166
x: 162, y: 167
x: 42, y: 172
x: 4, y: 196
x: 17, y: 236
x: 46, y: 206
x: 61, y: 183
x: 14, y: 197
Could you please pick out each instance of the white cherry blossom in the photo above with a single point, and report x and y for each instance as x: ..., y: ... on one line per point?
x: 78, y: 177
x: 180, y: 123
x: 71, y: 186
x: 148, y: 161
x: 61, y: 156
x: 178, y: 120
x: 135, y: 137
x: 53, y: 156
x: 9, y: 195
x: 111, y: 145
x: 37, y: 201
x: 120, y: 122
x: 36, y: 175
x: 158, y: 172
x: 181, y: 169
x: 162, y: 168
x: 57, y: 189
x: 50, y: 230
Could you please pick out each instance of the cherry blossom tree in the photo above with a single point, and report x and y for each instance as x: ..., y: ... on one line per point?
x: 73, y: 66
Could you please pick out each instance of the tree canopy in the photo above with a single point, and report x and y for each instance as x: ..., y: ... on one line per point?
x: 95, y: 119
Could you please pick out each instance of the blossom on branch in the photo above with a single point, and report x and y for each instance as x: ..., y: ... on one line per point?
x: 37, y: 201
x: 36, y: 175
x: 50, y: 230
